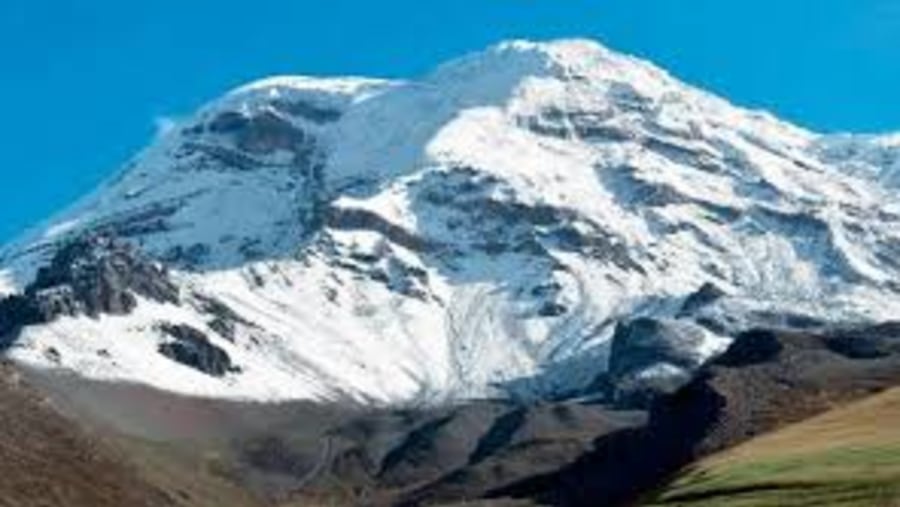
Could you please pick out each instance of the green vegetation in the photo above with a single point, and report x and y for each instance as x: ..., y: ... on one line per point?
x: 864, y: 477
x: 847, y: 457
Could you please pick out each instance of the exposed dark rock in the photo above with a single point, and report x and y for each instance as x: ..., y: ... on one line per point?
x: 862, y: 347
x: 486, y: 217
x: 228, y: 122
x: 312, y: 112
x: 267, y: 132
x: 549, y: 289
x: 364, y: 220
x: 219, y: 156
x: 552, y: 309
x: 753, y: 347
x: 446, y: 188
x: 192, y: 348
x: 190, y: 257
x: 53, y: 355
x: 224, y: 328
x: 635, y: 193
x: 632, y: 192
x: 595, y: 243
x: 887, y: 332
x: 682, y: 153
x: 98, y: 274
x: 224, y: 319
x: 250, y: 137
x: 787, y: 320
x: 193, y: 130
x: 16, y: 312
x: 146, y: 220
x: 260, y: 133
x: 91, y: 275
x: 496, y: 225
x: 510, y: 212
x: 651, y: 357
x: 405, y: 279
x: 587, y: 125
x: 251, y: 249
x: 706, y: 295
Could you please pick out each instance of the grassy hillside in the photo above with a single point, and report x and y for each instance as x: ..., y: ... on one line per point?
x: 849, y: 457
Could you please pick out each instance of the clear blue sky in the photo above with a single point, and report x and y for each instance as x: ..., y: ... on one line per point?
x: 82, y: 80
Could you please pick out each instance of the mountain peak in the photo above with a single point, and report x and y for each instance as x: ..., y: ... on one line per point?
x: 561, y: 53
x: 481, y: 231
x: 567, y: 60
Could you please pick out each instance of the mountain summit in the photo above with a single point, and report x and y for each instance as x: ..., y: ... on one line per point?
x: 497, y: 228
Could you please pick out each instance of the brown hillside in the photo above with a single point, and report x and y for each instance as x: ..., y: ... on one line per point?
x: 45, y: 460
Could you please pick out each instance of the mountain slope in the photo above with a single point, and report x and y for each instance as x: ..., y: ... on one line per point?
x: 227, y: 452
x: 47, y: 460
x: 849, y: 456
x: 765, y: 381
x: 478, y: 232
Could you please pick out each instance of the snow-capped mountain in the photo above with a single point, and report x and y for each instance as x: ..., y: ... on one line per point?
x: 479, y: 232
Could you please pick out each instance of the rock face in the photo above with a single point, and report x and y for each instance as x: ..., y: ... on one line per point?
x: 192, y: 348
x: 703, y: 297
x: 475, y: 233
x: 652, y: 357
x: 15, y: 313
x: 99, y: 274
x: 91, y: 275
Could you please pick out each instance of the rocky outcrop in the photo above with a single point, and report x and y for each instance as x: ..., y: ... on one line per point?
x: 91, y: 275
x: 707, y: 294
x: 191, y: 347
x: 262, y: 133
x: 309, y: 111
x: 16, y: 312
x: 99, y: 274
x: 224, y: 320
x: 652, y: 357
x: 348, y: 219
